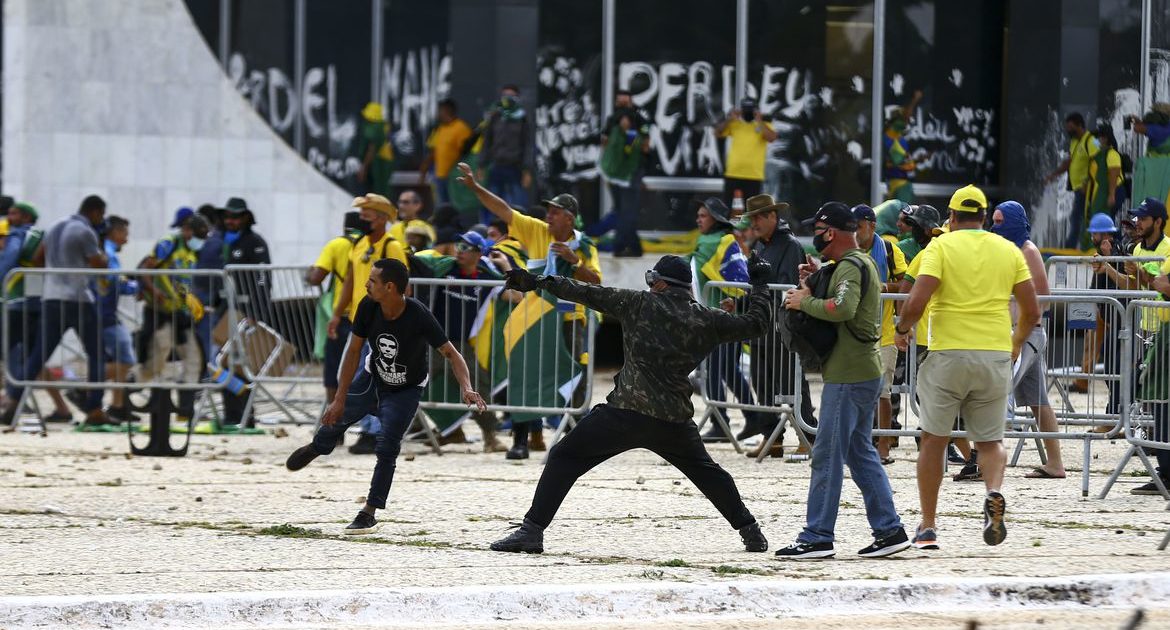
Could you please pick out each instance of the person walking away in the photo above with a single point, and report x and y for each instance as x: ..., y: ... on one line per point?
x: 1105, y: 190
x: 375, y: 212
x: 397, y: 333
x: 748, y: 136
x: 1083, y: 147
x: 898, y: 165
x: 68, y: 303
x: 170, y: 315
x: 717, y: 256
x: 1030, y: 380
x: 665, y: 334
x: 116, y: 340
x: 969, y: 276
x: 623, y: 153
x: 853, y: 379
x: 772, y: 365
x: 506, y: 157
x: 375, y: 151
x: 444, y: 148
x: 891, y: 266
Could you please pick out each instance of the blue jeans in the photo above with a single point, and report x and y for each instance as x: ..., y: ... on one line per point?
x: 441, y: 189
x: 369, y: 424
x: 394, y: 409
x: 626, y: 208
x: 1076, y: 221
x: 504, y: 181
x: 844, y: 438
x: 723, y: 371
x: 58, y: 316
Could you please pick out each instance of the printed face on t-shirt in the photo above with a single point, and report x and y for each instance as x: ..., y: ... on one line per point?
x: 389, y: 371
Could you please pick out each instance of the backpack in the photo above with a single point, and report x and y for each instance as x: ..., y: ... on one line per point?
x: 813, y: 339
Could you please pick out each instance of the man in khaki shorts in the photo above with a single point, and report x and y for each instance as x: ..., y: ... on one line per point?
x: 969, y: 277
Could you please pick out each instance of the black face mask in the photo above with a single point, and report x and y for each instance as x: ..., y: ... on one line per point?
x: 748, y: 113
x: 819, y: 242
x: 363, y: 226
x: 1071, y: 134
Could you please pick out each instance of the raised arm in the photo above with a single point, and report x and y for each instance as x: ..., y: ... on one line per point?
x: 494, y: 204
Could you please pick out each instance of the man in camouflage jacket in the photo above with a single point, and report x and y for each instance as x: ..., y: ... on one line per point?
x: 665, y: 335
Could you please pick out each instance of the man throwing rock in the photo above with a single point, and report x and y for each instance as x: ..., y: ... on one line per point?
x: 665, y: 335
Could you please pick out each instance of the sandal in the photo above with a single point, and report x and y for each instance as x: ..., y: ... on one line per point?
x: 886, y: 461
x: 1040, y: 473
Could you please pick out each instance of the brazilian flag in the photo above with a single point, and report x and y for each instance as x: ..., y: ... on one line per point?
x: 541, y: 371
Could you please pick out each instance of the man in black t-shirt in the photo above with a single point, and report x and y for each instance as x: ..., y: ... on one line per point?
x: 401, y: 332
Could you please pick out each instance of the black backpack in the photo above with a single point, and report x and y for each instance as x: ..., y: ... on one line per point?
x: 813, y: 339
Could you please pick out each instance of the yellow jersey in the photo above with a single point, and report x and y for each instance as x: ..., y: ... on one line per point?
x: 534, y: 235
x: 747, y: 151
x: 334, y: 259
x: 363, y: 256
x: 977, y: 271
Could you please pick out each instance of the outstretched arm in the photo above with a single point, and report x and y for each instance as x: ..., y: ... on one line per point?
x: 608, y: 300
x: 754, y: 323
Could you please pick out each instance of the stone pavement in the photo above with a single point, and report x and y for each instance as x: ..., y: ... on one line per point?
x: 83, y: 518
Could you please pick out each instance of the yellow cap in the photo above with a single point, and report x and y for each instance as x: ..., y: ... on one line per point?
x: 376, y: 202
x: 968, y: 199
x: 373, y: 112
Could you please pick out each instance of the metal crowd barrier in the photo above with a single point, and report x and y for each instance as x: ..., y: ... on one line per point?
x: 163, y: 347
x: 1076, y: 272
x: 528, y: 355
x: 1146, y: 391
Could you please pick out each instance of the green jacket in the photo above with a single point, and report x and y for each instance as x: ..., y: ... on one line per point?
x: 853, y: 360
x: 621, y: 157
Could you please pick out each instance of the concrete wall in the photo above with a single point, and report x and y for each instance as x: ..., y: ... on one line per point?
x: 125, y: 100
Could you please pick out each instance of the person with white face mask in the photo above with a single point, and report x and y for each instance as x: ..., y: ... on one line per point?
x: 171, y: 312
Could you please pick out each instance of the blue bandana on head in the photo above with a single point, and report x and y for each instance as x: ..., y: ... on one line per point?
x: 1015, y: 226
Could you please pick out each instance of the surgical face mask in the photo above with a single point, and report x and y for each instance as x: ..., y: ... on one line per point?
x: 363, y: 226
x: 899, y: 126
x: 195, y: 243
x: 819, y: 242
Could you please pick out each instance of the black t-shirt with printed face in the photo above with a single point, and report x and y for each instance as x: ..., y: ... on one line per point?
x: 399, y: 353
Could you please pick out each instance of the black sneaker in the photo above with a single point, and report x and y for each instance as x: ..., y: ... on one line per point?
x: 715, y: 433
x: 994, y: 507
x: 1150, y: 488
x: 806, y: 551
x: 888, y: 546
x: 365, y: 445
x: 122, y: 414
x: 363, y: 523
x: 528, y: 538
x: 519, y: 451
x: 954, y: 456
x: 301, y: 457
x: 970, y: 472
x: 753, y: 538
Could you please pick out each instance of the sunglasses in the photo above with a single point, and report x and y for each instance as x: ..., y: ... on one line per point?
x: 465, y: 247
x: 369, y: 254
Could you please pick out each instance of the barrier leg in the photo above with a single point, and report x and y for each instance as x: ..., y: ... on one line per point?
x: 159, y: 442
x: 1166, y: 539
x: 1085, y: 467
x: 1129, y: 453
x: 767, y: 446
x: 429, y: 431
x: 727, y: 430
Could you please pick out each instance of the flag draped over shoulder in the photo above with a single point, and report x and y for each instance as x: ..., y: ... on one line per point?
x: 541, y: 371
x: 718, y: 257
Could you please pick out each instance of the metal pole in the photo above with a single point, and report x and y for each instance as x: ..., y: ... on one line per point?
x: 225, y: 30
x: 1144, y: 72
x: 299, y: 72
x: 741, y: 49
x: 608, y: 9
x: 876, y: 117
x: 376, y: 36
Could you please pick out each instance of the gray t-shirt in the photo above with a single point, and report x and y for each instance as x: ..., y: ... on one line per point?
x: 69, y: 244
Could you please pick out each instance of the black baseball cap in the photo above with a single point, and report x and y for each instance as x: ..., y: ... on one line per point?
x: 564, y: 201
x: 1150, y: 207
x: 862, y: 212
x: 671, y: 269
x: 835, y: 215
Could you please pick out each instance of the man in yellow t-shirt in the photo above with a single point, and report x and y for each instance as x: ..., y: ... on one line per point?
x: 1157, y: 374
x: 1082, y: 148
x: 747, y: 149
x: 444, y: 146
x: 891, y: 265
x: 555, y: 247
x: 969, y: 276
x: 334, y: 262
x: 374, y: 246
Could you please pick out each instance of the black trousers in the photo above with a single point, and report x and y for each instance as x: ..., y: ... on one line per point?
x: 608, y: 431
